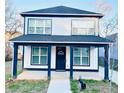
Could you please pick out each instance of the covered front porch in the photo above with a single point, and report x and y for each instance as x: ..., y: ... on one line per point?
x: 71, y: 41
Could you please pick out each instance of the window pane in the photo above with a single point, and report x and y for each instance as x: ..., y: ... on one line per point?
x: 31, y: 22
x: 74, y: 31
x: 47, y: 30
x: 83, y: 27
x: 31, y: 27
x: 85, y: 61
x: 35, y: 60
x: 47, y: 23
x: 43, y: 51
x: 85, y: 52
x: 77, y: 52
x: 31, y: 30
x: 39, y: 23
x: 35, y: 51
x: 39, y: 30
x: 76, y: 60
x: 43, y: 60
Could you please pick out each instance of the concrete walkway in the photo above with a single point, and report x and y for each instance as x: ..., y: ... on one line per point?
x: 59, y: 86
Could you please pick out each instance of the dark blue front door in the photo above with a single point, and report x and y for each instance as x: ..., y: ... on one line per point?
x: 60, y: 58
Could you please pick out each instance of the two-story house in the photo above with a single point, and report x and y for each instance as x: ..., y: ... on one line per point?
x: 61, y: 39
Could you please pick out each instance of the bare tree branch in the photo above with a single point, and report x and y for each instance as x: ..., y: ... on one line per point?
x: 13, y: 20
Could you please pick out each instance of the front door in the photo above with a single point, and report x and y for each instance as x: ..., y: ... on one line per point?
x: 60, y: 58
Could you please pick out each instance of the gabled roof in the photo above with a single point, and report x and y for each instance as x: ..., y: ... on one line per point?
x: 36, y: 38
x: 61, y: 11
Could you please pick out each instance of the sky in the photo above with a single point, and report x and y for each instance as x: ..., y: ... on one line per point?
x: 28, y: 5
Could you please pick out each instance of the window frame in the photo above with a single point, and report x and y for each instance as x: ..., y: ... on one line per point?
x: 39, y: 48
x: 44, y: 31
x: 86, y: 33
x: 81, y: 56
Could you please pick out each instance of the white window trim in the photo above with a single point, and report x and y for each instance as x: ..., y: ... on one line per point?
x: 81, y: 56
x: 32, y: 63
x: 44, y: 25
x: 86, y: 33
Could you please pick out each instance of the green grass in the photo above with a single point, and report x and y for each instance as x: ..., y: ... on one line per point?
x: 8, y: 69
x: 23, y: 86
x: 94, y: 86
x: 8, y: 76
x: 74, y: 86
x: 27, y: 86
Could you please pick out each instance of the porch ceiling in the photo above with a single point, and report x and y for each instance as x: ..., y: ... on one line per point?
x: 78, y: 39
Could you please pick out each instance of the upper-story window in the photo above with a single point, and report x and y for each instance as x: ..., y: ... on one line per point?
x: 39, y: 26
x: 83, y: 27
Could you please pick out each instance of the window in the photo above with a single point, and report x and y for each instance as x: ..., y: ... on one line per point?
x: 81, y: 56
x: 83, y: 27
x: 39, y: 26
x: 39, y: 55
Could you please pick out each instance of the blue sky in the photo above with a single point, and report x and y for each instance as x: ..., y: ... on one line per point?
x: 27, y: 5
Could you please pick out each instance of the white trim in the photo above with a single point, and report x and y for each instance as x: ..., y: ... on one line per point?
x: 35, y: 26
x: 81, y: 56
x: 61, y: 42
x: 63, y: 14
x: 39, y: 55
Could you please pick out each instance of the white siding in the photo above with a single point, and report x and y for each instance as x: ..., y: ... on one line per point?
x: 53, y: 57
x: 62, y: 26
x: 93, y: 59
x: 27, y: 59
x: 67, y: 57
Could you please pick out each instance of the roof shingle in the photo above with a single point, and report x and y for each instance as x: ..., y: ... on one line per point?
x: 60, y: 39
x: 61, y: 10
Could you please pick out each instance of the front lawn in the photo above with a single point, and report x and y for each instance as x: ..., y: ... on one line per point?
x: 8, y: 69
x: 93, y: 86
x: 27, y: 86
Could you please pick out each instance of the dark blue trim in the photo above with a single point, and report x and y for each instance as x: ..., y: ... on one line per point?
x: 98, y: 59
x: 24, y: 27
x: 71, y: 62
x: 65, y: 44
x: 106, y: 68
x: 49, y: 62
x: 15, y: 61
x: 74, y: 70
x: 23, y: 58
x: 33, y: 15
x: 27, y: 26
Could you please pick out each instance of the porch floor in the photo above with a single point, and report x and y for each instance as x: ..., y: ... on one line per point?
x: 36, y: 75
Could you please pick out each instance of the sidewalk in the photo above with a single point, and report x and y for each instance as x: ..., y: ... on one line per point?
x: 59, y: 86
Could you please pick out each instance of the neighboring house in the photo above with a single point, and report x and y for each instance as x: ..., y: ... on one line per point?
x: 61, y: 39
x: 8, y: 48
x: 113, y: 37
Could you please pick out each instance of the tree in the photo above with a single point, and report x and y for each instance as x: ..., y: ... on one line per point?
x: 13, y: 20
x: 13, y: 26
x: 109, y: 22
x: 109, y: 26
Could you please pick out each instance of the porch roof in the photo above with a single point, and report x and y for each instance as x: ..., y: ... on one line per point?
x: 36, y: 38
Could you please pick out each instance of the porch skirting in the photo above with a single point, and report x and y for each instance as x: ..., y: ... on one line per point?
x: 42, y: 75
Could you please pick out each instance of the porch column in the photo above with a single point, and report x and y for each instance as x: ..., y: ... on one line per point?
x: 15, y: 58
x: 49, y: 62
x: 106, y: 61
x: 71, y: 62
